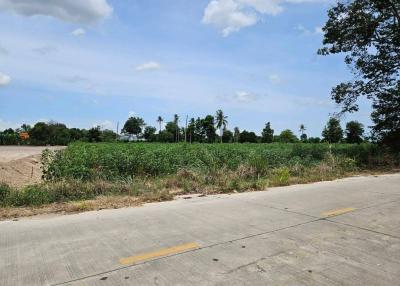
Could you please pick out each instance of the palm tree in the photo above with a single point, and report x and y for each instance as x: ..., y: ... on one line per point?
x: 176, y: 121
x: 221, y: 121
x: 302, y: 129
x: 160, y: 120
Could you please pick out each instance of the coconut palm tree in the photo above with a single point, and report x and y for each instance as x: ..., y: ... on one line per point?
x: 176, y: 122
x: 221, y: 121
x: 160, y: 121
x: 302, y: 129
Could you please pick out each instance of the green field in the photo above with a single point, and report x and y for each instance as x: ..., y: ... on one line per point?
x: 115, y: 161
x: 157, y: 171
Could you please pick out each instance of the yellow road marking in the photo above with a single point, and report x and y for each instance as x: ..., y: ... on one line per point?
x: 337, y: 212
x: 158, y: 253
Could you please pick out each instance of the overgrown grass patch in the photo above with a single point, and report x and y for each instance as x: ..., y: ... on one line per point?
x: 84, y: 172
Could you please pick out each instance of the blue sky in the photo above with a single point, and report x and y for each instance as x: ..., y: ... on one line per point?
x: 93, y: 62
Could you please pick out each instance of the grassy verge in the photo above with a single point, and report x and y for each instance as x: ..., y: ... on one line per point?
x: 74, y: 181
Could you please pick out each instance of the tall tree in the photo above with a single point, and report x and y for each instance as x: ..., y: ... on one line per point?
x: 208, y: 126
x: 149, y: 133
x: 160, y: 121
x: 354, y: 132
x: 303, y: 135
x: 247, y: 137
x: 333, y: 132
x: 368, y: 31
x: 134, y: 126
x: 190, y: 129
x: 176, y: 122
x: 221, y: 122
x: 267, y: 135
x: 287, y: 136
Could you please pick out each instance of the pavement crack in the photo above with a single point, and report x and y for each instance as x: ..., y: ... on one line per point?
x: 363, y: 228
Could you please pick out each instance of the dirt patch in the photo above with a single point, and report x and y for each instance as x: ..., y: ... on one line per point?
x: 20, y: 165
x: 101, y: 202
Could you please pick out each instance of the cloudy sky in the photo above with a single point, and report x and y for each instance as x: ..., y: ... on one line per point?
x: 93, y: 62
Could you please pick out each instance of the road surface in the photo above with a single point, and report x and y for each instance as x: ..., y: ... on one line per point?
x: 345, y: 232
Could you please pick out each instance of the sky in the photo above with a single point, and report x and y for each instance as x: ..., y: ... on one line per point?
x: 97, y: 62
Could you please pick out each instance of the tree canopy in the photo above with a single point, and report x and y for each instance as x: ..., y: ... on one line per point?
x: 368, y: 32
x: 333, y: 132
x: 354, y: 132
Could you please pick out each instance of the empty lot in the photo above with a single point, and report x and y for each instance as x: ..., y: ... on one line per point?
x: 20, y: 165
x: 344, y: 232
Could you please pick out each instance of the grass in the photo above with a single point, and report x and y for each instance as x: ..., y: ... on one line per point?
x: 92, y: 176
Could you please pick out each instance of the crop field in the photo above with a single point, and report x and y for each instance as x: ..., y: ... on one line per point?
x: 124, y: 174
x: 115, y: 161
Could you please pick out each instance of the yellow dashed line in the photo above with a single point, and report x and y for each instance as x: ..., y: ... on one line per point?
x: 158, y: 253
x: 337, y: 212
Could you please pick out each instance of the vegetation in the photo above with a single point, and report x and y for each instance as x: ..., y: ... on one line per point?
x: 54, y: 133
x: 85, y: 171
x: 368, y: 32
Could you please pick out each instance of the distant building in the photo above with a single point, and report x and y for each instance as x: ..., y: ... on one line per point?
x: 24, y: 136
x: 130, y: 138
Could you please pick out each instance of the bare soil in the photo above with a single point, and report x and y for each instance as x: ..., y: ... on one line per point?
x: 20, y: 165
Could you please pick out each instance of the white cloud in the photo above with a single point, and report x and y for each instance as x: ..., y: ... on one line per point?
x: 148, y: 66
x: 303, y: 30
x: 275, y: 78
x: 228, y: 16
x: 232, y: 15
x: 74, y: 11
x: 78, y: 32
x: 4, y: 79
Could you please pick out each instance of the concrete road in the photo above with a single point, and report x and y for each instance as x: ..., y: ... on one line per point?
x: 345, y: 232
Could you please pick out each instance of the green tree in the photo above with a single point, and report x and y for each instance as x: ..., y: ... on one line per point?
x: 208, y: 126
x: 107, y: 135
x: 368, y: 32
x: 354, y: 132
x: 150, y: 133
x: 314, y: 140
x: 94, y: 134
x: 134, y: 126
x: 25, y: 127
x: 39, y: 134
x: 267, y: 135
x: 191, y: 129
x: 303, y: 135
x: 333, y: 132
x: 221, y: 121
x: 227, y: 136
x: 287, y: 136
x: 248, y: 137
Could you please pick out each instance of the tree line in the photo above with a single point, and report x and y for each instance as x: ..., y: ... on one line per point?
x: 54, y: 133
x: 210, y: 129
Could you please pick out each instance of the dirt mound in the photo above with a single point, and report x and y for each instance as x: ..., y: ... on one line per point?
x: 21, y: 172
